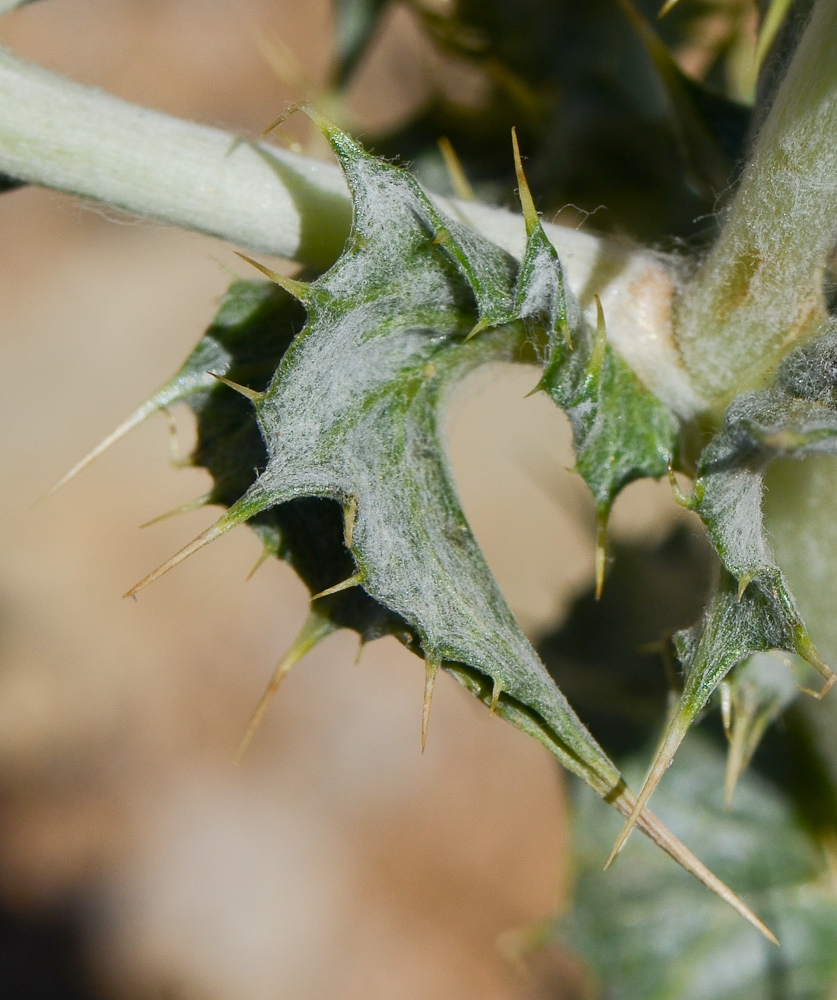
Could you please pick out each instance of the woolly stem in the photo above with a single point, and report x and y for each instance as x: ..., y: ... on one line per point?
x: 760, y: 289
x: 63, y: 135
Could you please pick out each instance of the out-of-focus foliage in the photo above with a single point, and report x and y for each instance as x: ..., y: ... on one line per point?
x: 647, y: 931
x: 638, y: 120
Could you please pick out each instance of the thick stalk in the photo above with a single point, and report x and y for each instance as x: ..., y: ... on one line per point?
x: 760, y: 289
x: 63, y: 135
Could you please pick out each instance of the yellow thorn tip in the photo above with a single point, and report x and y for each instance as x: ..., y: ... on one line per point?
x: 352, y: 581
x: 431, y: 669
x: 136, y: 418
x: 527, y: 204
x: 597, y: 355
x: 299, y: 289
x: 315, y: 629
x: 458, y: 181
x: 495, y: 696
x: 212, y: 532
x: 665, y: 839
x: 665, y: 755
x: 243, y: 390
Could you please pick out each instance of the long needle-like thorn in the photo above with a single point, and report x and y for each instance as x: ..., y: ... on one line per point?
x: 315, y: 629
x: 286, y: 114
x: 184, y: 508
x: 352, y: 581
x: 664, y: 838
x: 136, y: 418
x: 212, y: 532
x: 673, y: 738
x: 431, y: 668
x: 527, y: 204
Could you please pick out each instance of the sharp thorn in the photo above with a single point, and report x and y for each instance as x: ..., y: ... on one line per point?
x: 599, y: 340
x: 744, y: 582
x: 315, y: 629
x: 540, y: 387
x: 352, y: 581
x: 212, y: 532
x: 299, y: 289
x: 360, y: 648
x: 264, y: 555
x: 664, y: 838
x: 672, y: 740
x: 478, y: 327
x: 251, y: 394
x: 458, y: 180
x: 530, y: 214
x: 136, y: 418
x: 495, y: 696
x: 286, y: 114
x: 431, y: 668
x: 184, y: 508
x: 349, y: 518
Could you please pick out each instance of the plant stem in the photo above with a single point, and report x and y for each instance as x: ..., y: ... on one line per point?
x: 73, y: 138
x: 760, y: 288
x: 63, y: 135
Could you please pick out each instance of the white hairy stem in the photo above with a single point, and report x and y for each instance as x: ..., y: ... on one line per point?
x: 63, y: 135
x: 760, y: 289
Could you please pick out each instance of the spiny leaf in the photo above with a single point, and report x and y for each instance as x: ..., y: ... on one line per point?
x: 621, y: 431
x: 353, y: 419
x: 753, y: 610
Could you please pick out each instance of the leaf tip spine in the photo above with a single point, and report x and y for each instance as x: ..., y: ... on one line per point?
x: 315, y: 629
x: 431, y: 669
x: 527, y: 204
x: 300, y: 290
x: 353, y: 581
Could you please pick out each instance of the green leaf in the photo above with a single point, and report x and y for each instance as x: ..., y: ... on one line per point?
x: 646, y: 931
x: 353, y: 419
x: 753, y: 610
x: 621, y: 431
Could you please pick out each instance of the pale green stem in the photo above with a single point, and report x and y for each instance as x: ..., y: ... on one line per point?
x: 63, y: 135
x: 760, y: 288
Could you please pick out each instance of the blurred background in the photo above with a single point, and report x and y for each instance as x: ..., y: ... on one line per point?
x: 135, y: 859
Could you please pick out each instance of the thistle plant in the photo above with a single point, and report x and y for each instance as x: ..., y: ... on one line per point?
x: 320, y: 403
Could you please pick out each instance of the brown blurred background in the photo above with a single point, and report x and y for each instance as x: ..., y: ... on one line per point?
x: 337, y: 861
